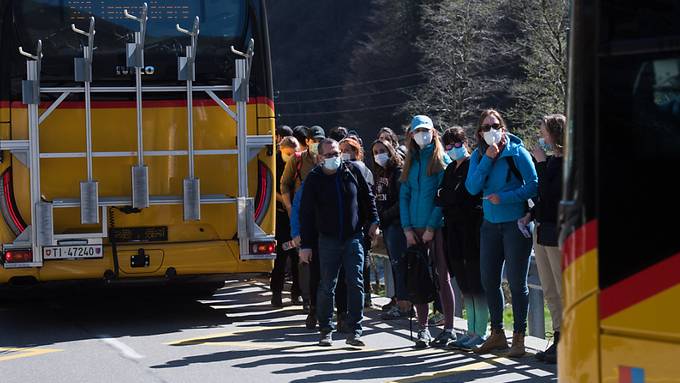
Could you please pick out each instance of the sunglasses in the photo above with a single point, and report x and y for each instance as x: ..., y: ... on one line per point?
x: 487, y: 127
x: 454, y: 145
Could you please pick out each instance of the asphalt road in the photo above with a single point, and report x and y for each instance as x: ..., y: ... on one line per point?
x: 235, y: 336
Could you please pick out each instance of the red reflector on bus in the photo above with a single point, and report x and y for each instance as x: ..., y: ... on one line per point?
x: 264, y: 248
x: 18, y: 256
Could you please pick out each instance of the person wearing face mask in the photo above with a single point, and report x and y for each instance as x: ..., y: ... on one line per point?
x: 548, y: 255
x: 462, y: 218
x: 421, y: 219
x: 388, y: 168
x: 502, y: 170
x: 297, y: 169
x: 288, y: 146
x: 336, y: 205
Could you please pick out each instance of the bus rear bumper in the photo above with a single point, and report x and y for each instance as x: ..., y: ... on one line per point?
x: 165, y: 262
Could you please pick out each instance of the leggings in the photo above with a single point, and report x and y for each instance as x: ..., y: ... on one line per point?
x: 444, y: 282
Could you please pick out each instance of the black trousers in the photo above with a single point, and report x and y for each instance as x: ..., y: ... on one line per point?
x: 279, y: 272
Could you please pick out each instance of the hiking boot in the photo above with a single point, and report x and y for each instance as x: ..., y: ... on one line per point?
x: 368, y: 303
x: 355, y: 341
x: 471, y: 343
x: 326, y: 339
x: 443, y: 339
x: 389, y: 305
x: 392, y: 313
x: 495, y: 341
x: 550, y: 355
x: 310, y: 322
x: 456, y: 345
x: 436, y: 319
x: 276, y: 300
x: 423, y: 338
x: 517, y: 349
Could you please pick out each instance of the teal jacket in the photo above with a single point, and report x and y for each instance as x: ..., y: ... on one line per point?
x: 495, y: 176
x: 416, y: 195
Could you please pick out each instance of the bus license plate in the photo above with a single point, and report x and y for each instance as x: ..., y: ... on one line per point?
x: 72, y: 252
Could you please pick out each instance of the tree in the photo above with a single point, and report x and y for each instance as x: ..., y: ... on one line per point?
x: 464, y: 53
x: 544, y: 26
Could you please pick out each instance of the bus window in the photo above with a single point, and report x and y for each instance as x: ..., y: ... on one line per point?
x: 222, y: 24
x: 639, y: 143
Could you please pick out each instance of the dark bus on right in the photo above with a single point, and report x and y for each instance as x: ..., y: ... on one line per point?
x: 620, y: 213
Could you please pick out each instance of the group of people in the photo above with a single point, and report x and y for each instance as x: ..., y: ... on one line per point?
x: 476, y: 212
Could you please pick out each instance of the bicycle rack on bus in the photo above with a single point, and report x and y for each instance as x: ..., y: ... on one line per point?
x: 41, y: 231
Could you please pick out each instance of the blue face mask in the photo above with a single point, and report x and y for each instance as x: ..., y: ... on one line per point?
x: 457, y: 153
x: 545, y: 146
x: 332, y: 163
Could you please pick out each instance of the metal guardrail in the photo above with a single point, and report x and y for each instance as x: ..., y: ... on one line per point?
x: 536, y: 317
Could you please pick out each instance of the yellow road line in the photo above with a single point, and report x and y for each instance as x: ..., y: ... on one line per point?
x: 236, y: 331
x: 17, y: 353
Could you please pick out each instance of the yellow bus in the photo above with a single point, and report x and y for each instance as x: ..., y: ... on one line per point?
x: 621, y: 266
x: 137, y: 141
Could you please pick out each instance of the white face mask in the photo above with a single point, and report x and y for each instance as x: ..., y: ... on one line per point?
x: 346, y: 157
x: 381, y: 159
x: 314, y: 148
x: 493, y: 136
x: 332, y: 163
x: 423, y: 138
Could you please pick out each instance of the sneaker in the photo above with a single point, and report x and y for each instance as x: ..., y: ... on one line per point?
x: 389, y: 305
x: 457, y: 344
x: 517, y: 349
x: 495, y: 341
x: 276, y: 300
x: 550, y: 354
x: 305, y: 307
x: 295, y: 299
x: 436, y: 319
x: 355, y: 341
x: 392, y: 313
x: 443, y: 339
x: 472, y: 342
x: 368, y: 303
x: 326, y: 339
x: 424, y: 338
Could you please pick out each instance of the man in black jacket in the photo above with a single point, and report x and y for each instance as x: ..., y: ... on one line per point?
x: 336, y: 204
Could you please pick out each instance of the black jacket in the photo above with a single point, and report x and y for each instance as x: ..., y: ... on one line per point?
x: 549, y: 190
x: 338, y: 205
x: 457, y: 203
x: 386, y: 191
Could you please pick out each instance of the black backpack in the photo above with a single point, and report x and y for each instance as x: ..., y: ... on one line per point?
x: 420, y: 281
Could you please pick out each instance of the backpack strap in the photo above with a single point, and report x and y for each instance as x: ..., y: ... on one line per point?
x: 298, y: 166
x: 512, y: 168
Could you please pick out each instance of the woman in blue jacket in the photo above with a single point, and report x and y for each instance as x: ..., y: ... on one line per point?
x: 422, y: 221
x: 502, y: 169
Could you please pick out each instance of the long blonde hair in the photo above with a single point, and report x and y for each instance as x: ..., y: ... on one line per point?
x: 436, y: 164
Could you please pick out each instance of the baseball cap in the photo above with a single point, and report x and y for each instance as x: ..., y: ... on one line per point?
x: 421, y: 121
x: 316, y: 132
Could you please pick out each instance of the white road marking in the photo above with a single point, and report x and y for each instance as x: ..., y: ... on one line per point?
x: 123, y: 348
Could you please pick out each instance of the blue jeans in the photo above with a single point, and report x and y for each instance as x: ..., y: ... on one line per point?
x: 504, y: 243
x: 395, y: 242
x: 350, y: 254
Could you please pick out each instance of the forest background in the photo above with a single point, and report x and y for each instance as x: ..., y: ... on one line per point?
x: 365, y: 64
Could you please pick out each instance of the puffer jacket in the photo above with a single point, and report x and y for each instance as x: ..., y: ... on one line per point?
x: 494, y: 176
x: 416, y: 195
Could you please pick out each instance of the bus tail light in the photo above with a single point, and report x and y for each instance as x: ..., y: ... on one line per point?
x: 263, y: 247
x: 18, y: 256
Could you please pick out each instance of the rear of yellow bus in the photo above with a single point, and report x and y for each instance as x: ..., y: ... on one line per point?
x: 621, y: 265
x: 153, y: 244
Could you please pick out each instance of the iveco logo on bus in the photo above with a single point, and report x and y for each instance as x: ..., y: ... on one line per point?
x: 122, y: 70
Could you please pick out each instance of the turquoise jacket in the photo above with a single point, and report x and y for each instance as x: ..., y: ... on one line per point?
x: 495, y: 176
x: 416, y: 195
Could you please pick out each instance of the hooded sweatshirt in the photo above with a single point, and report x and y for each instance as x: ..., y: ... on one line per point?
x: 494, y: 176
